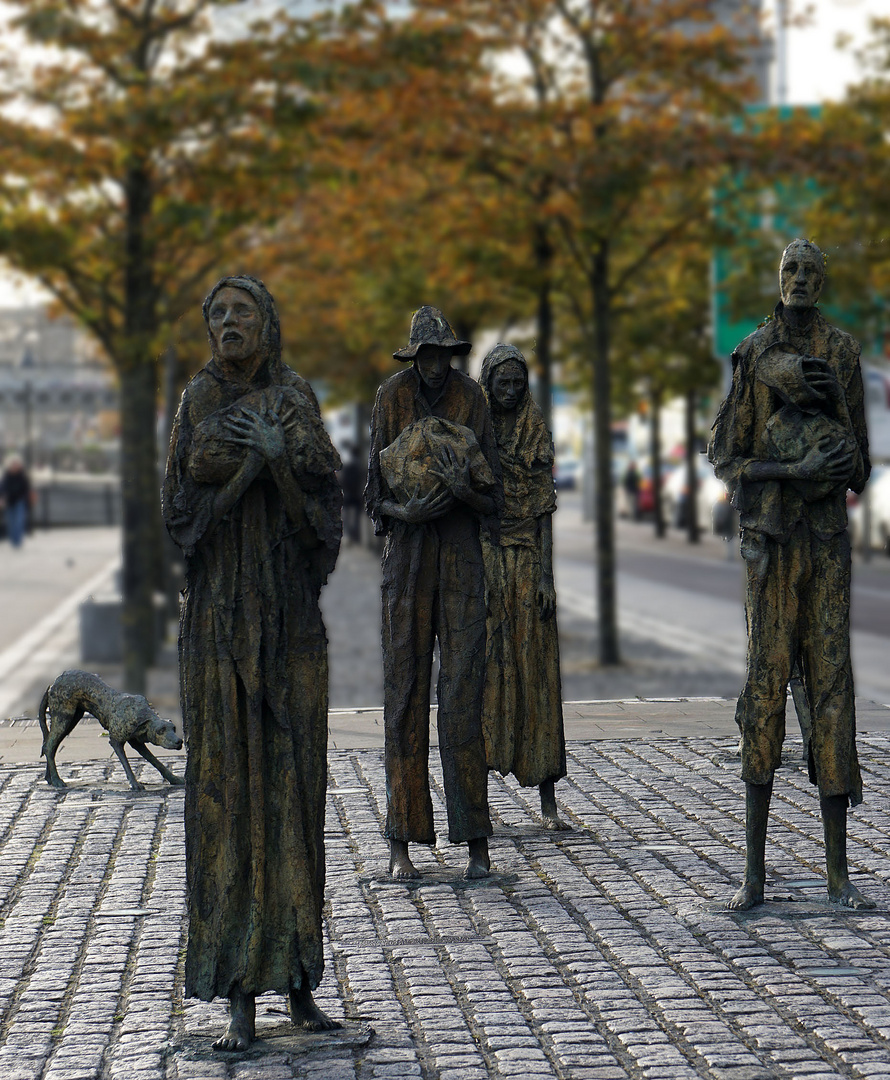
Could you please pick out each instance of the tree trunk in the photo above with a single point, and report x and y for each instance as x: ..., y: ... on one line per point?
x: 139, y: 456
x: 604, y: 506
x: 692, y: 529
x: 173, y: 571
x: 543, y: 344
x: 141, y: 520
x: 464, y: 332
x: 544, y: 335
x: 655, y: 458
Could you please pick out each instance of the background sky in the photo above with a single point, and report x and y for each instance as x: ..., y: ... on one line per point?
x: 816, y: 71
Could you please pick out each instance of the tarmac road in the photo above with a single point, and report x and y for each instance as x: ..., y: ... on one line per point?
x: 691, y: 598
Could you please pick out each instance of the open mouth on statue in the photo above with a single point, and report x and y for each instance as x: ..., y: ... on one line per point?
x: 231, y: 335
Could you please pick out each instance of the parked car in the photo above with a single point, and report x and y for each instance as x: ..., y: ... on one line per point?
x: 566, y: 472
x: 675, y: 495
x: 878, y: 495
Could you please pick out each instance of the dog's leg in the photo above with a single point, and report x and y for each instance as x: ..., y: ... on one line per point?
x: 119, y: 750
x: 51, y: 775
x: 63, y: 721
x: 142, y: 749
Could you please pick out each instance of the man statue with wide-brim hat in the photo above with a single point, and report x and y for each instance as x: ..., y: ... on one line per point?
x: 431, y: 423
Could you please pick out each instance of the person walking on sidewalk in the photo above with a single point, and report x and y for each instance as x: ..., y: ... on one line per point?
x: 252, y: 499
x: 446, y: 472
x: 789, y: 439
x: 522, y: 705
x: 15, y: 498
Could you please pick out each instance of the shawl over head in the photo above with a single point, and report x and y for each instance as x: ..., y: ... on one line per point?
x: 270, y: 336
x: 526, y: 452
x: 187, y: 500
x: 530, y: 440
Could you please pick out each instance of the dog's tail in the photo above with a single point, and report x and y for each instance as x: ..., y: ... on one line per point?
x: 41, y: 719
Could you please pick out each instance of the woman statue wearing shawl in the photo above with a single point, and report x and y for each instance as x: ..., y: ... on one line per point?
x: 522, y: 705
x: 251, y: 497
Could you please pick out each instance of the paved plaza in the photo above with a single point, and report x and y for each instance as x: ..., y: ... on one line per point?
x: 602, y: 952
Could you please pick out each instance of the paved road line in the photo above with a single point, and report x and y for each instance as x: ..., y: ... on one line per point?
x: 671, y: 636
x: 15, y: 660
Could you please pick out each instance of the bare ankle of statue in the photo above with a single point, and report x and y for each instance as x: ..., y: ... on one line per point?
x: 242, y: 1022
x: 549, y: 812
x: 306, y: 1014
x: 841, y: 890
x: 757, y: 799
x: 400, y: 865
x: 478, y: 863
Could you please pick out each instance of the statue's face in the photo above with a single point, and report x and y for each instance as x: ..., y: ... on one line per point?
x: 508, y: 384
x: 433, y: 362
x: 800, y: 278
x: 236, y: 324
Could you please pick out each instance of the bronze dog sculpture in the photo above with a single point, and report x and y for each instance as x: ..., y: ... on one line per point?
x: 128, y: 718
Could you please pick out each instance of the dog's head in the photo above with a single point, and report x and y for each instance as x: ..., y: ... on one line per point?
x: 149, y: 727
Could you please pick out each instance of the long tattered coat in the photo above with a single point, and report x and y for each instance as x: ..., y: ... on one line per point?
x: 433, y: 588
x: 522, y: 717
x: 795, y: 545
x: 254, y: 678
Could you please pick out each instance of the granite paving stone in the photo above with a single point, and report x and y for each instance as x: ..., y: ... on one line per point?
x: 601, y: 953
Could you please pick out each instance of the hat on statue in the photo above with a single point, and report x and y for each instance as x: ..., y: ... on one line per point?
x: 430, y: 327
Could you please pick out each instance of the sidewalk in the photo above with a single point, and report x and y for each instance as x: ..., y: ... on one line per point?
x: 602, y: 953
x: 598, y: 953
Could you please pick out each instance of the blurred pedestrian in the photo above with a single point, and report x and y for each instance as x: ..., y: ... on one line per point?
x: 15, y: 497
x: 352, y: 480
x: 522, y: 704
x: 632, y: 489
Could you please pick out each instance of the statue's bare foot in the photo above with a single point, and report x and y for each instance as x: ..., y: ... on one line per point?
x: 553, y: 821
x: 747, y: 897
x: 242, y: 1023
x: 306, y: 1014
x: 549, y: 812
x: 478, y: 864
x: 847, y: 895
x: 400, y: 865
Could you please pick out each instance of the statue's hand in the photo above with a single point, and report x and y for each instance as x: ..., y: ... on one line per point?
x: 826, y: 462
x: 454, y: 475
x: 287, y: 413
x: 265, y: 434
x: 821, y: 379
x: 426, y: 507
x: 546, y: 596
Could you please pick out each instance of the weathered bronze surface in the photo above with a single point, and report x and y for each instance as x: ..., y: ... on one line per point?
x: 251, y: 498
x: 128, y: 719
x: 789, y: 440
x: 433, y: 586
x: 522, y: 705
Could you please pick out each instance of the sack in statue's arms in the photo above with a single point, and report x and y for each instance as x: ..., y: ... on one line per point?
x: 408, y: 464
x: 790, y: 434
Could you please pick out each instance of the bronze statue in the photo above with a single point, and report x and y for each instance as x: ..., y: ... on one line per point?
x: 128, y: 719
x: 522, y: 704
x: 433, y: 481
x: 789, y: 440
x: 251, y: 498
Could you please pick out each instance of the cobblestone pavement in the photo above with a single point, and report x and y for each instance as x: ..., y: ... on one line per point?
x: 596, y: 953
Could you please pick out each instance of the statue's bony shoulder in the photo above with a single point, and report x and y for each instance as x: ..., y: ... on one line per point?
x: 842, y: 347
x: 295, y: 383
x: 202, y: 396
